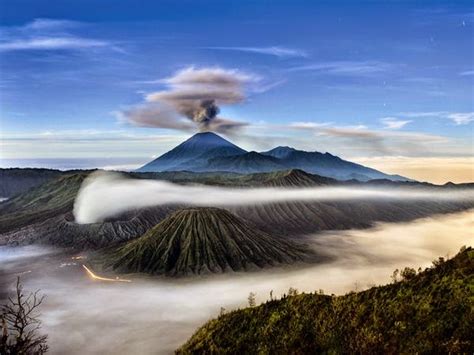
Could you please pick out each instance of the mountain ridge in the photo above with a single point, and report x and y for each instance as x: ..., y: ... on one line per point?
x: 208, y: 152
x: 43, y: 214
x: 425, y: 312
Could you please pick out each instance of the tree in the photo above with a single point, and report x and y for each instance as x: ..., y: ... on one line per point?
x: 20, y: 324
x: 251, y: 299
x: 408, y: 273
x: 292, y: 291
x: 394, y: 276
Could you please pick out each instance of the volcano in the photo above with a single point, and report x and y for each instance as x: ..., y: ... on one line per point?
x: 208, y: 152
x: 204, y: 240
x: 193, y: 154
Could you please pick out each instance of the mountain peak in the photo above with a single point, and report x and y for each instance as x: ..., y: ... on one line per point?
x: 201, y: 240
x: 201, y: 146
x: 208, y: 138
x: 280, y: 152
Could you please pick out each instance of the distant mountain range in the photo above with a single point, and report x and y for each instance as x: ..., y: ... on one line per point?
x: 43, y: 212
x: 208, y: 152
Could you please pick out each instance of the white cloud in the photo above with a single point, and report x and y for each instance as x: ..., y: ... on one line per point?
x: 424, y: 114
x: 459, y: 118
x: 305, y: 125
x: 280, y: 52
x: 46, y: 34
x: 51, y: 43
x: 353, y: 140
x: 103, y: 195
x: 394, y: 123
x: 50, y: 24
x: 467, y: 73
x: 347, y: 67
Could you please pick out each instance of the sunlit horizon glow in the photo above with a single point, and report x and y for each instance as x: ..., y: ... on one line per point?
x: 434, y: 170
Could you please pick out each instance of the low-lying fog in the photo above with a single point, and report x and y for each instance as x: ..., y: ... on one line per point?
x: 106, y: 194
x: 85, y: 316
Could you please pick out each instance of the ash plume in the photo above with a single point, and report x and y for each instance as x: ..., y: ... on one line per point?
x: 192, y: 99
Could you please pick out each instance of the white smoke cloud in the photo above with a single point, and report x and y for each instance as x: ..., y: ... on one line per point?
x: 106, y: 194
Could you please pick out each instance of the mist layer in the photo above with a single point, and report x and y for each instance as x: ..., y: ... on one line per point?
x: 155, y: 316
x: 106, y: 194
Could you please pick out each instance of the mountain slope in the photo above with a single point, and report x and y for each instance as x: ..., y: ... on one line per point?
x: 43, y: 214
x: 193, y: 152
x: 39, y: 203
x: 327, y: 165
x: 15, y: 180
x: 208, y: 152
x: 426, y: 313
x: 247, y: 163
x: 202, y: 240
x: 288, y: 178
x: 279, y: 152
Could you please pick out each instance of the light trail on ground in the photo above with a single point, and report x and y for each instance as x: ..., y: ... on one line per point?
x: 97, y: 277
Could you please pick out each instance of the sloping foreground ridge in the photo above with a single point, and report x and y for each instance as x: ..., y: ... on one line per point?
x: 426, y: 313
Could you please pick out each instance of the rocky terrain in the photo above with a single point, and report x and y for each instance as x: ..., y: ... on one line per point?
x: 43, y: 214
x: 204, y: 240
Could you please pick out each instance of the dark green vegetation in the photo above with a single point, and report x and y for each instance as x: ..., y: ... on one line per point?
x: 15, y: 181
x: 37, y: 204
x: 431, y: 312
x: 43, y: 214
x: 288, y: 178
x: 203, y: 240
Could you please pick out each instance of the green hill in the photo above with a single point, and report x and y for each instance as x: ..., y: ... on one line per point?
x: 14, y: 181
x: 202, y: 240
x: 431, y: 312
x: 40, y: 203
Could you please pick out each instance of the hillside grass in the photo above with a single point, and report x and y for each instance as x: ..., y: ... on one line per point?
x: 431, y: 312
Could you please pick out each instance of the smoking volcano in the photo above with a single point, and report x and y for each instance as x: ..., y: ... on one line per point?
x: 192, y: 98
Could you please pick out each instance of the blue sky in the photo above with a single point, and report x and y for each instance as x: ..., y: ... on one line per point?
x: 364, y: 80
